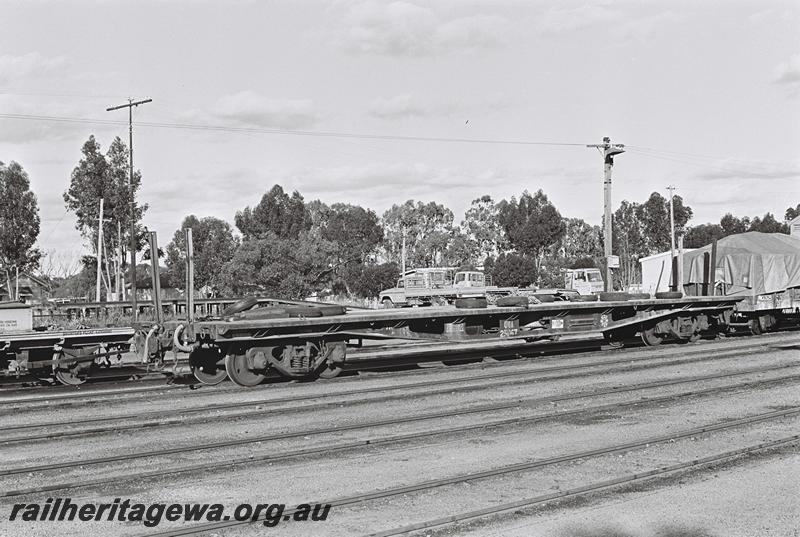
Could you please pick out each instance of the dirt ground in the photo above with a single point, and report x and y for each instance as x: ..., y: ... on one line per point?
x: 754, y: 495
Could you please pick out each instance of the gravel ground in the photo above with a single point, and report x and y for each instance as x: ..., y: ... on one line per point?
x: 373, y: 467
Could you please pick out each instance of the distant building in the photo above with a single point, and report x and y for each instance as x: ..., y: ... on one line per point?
x: 657, y: 272
x: 32, y: 289
x: 794, y: 227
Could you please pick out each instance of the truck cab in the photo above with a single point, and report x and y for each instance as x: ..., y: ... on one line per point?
x: 471, y: 278
x: 585, y: 281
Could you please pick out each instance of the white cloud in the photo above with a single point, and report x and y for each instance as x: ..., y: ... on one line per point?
x: 407, y: 105
x: 251, y: 109
x: 25, y: 130
x: 788, y: 73
x: 726, y: 170
x: 560, y: 19
x: 18, y: 69
x: 403, y: 28
x: 642, y: 28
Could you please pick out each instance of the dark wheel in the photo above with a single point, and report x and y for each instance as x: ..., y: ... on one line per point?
x: 208, y: 366
x: 650, y: 338
x: 387, y: 303
x: 669, y: 295
x: 69, y: 374
x: 239, y: 372
x: 468, y: 303
x: 335, y: 353
x: 755, y: 326
x: 614, y: 297
x: 614, y: 339
x: 240, y: 305
x: 509, y: 301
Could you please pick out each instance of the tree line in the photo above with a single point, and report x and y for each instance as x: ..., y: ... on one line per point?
x: 288, y: 247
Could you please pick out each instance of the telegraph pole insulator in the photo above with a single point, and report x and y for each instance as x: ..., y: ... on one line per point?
x: 608, y: 150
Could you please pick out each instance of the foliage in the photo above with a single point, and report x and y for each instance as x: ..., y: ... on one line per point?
x: 277, y: 213
x: 19, y: 221
x: 512, y: 269
x: 482, y: 228
x: 427, y: 228
x: 105, y: 176
x: 655, y: 219
x: 703, y: 234
x: 531, y: 223
x: 461, y: 250
x: 282, y: 267
x: 768, y: 224
x: 580, y: 240
x: 213, y: 244
x: 792, y: 213
x: 368, y: 281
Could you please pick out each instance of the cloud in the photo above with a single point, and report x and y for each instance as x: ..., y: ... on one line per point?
x: 727, y: 170
x: 27, y: 130
x: 251, y: 109
x: 642, y: 28
x: 403, y: 28
x: 15, y: 69
x: 559, y: 19
x: 788, y: 73
x: 406, y: 105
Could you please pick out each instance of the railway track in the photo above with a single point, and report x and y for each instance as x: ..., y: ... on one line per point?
x: 424, y: 389
x: 80, y: 397
x: 305, y: 435
x: 589, y: 488
x: 427, y: 485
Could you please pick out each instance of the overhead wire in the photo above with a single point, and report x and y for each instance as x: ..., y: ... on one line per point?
x: 261, y: 130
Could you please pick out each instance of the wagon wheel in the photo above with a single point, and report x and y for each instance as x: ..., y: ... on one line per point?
x: 207, y: 366
x: 330, y: 369
x: 239, y: 371
x: 68, y: 374
x: 695, y: 333
x: 650, y: 338
x: 614, y: 339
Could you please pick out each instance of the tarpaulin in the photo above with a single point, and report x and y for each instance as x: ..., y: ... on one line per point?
x: 750, y: 263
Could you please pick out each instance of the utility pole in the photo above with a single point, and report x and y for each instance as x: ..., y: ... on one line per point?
x: 403, y: 254
x: 674, y: 277
x: 99, y: 251
x: 608, y: 150
x: 131, y: 103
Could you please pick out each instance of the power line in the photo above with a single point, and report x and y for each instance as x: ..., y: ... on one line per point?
x: 256, y: 130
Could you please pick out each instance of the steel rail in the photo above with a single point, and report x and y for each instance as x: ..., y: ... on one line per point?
x: 508, y: 469
x: 552, y: 350
x: 585, y: 489
x: 516, y: 377
x: 390, y: 421
x: 330, y: 449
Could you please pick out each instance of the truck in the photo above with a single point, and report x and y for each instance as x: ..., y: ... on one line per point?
x: 441, y: 286
x: 585, y: 281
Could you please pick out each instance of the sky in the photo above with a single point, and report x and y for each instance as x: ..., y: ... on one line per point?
x: 705, y: 95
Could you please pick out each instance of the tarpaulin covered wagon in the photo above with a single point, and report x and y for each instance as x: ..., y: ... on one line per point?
x: 764, y: 268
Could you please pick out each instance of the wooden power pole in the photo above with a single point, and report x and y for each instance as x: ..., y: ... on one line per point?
x: 129, y: 105
x: 608, y: 150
